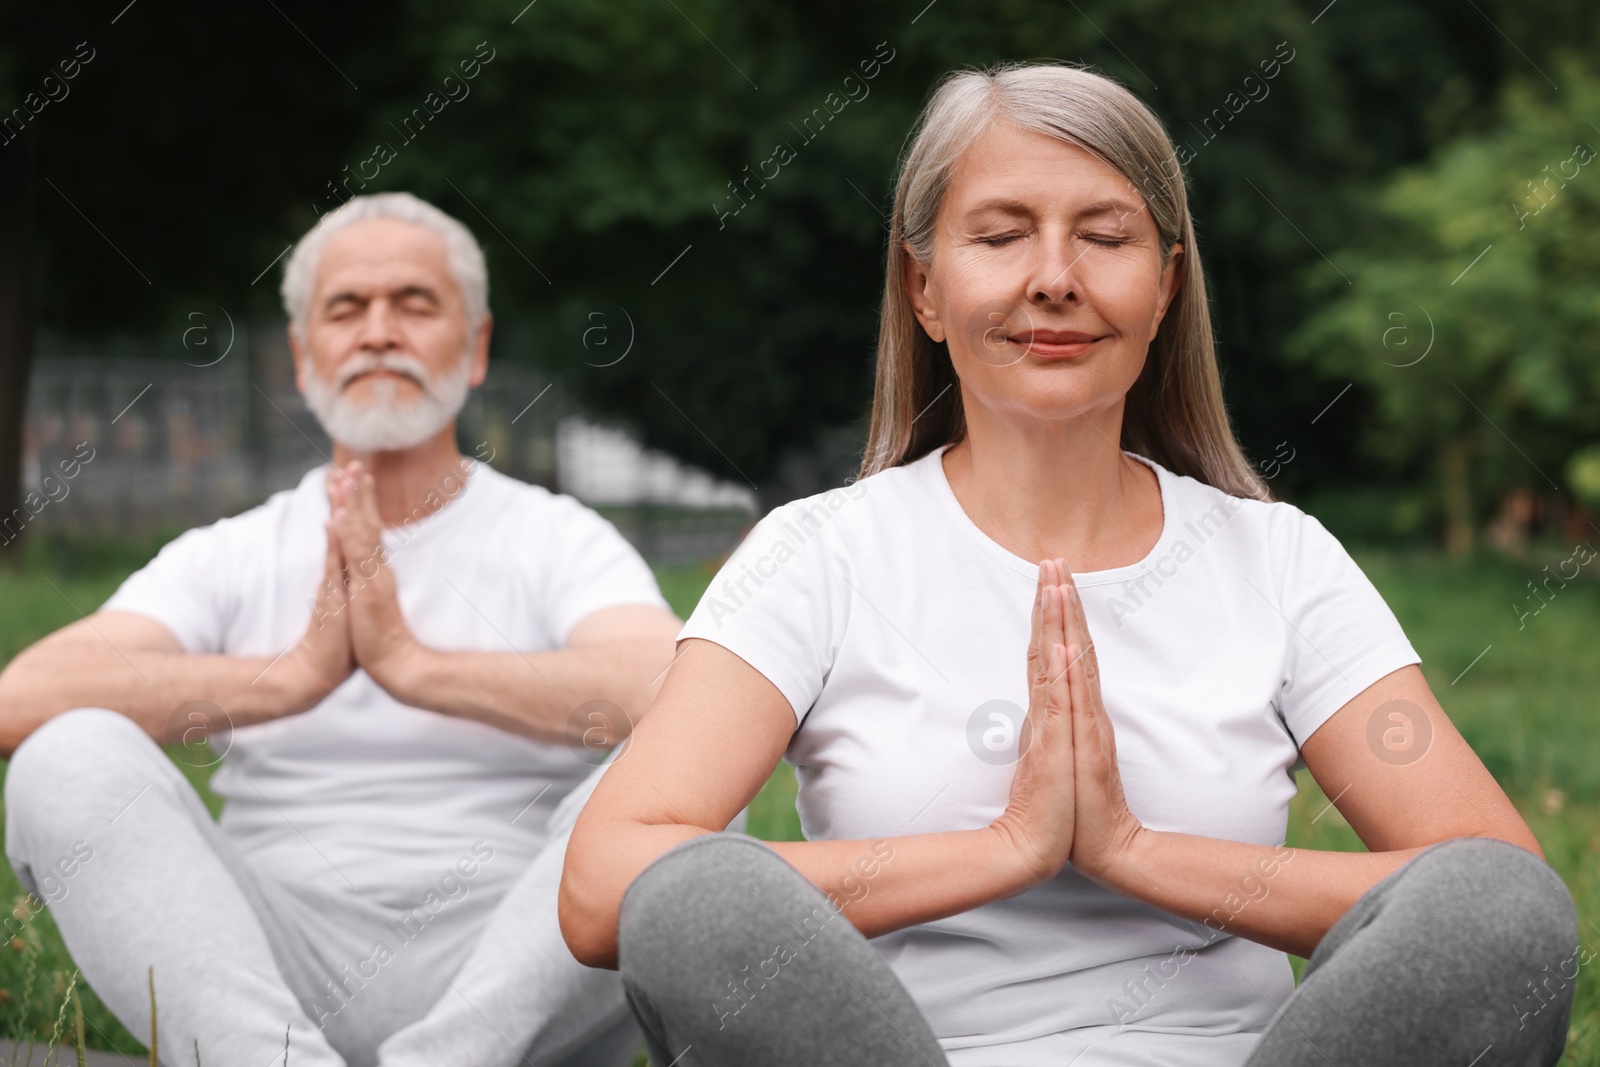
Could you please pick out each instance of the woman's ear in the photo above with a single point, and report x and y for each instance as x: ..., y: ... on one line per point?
x: 1171, y: 282
x: 917, y: 285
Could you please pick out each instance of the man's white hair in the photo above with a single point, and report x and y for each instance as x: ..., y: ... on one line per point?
x: 462, y: 254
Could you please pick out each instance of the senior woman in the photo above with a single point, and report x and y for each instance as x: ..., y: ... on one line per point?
x: 1045, y: 670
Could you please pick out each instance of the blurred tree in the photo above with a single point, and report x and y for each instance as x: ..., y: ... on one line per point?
x: 617, y: 162
x: 764, y: 330
x: 1470, y: 317
x: 154, y: 151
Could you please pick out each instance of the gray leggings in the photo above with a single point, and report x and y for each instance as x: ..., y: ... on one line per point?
x: 1435, y: 965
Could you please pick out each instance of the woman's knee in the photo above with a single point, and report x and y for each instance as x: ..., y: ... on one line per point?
x: 1511, y: 901
x: 703, y: 900
x: 693, y: 883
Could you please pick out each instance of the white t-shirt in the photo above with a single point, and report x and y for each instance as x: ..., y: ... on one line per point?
x: 898, y: 631
x: 363, y: 791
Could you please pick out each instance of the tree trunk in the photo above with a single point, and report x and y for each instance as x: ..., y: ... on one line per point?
x: 17, y: 313
x: 1457, y: 498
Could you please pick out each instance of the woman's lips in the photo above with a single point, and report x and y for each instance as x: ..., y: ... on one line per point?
x: 1052, y: 344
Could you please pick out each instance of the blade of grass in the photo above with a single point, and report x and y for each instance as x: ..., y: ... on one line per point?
x: 61, y: 1018
x: 32, y: 947
x: 152, y: 975
x: 77, y: 1025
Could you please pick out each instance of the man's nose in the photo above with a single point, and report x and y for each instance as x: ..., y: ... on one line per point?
x: 380, y: 327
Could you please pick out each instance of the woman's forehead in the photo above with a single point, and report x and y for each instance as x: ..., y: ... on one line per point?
x: 1008, y: 171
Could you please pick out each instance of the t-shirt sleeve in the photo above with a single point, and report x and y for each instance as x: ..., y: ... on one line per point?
x: 185, y: 588
x: 772, y: 605
x: 598, y: 569
x: 1342, y: 635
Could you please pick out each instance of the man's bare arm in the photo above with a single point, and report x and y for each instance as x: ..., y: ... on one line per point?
x: 134, y: 665
x: 591, y: 692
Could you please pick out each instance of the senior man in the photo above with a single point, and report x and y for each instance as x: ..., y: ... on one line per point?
x: 395, y: 656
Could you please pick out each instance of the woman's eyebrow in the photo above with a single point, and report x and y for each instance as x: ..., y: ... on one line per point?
x: 1110, y: 206
x: 1005, y: 206
x: 1000, y: 206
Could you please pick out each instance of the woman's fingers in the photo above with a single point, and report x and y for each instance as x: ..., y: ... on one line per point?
x: 1038, y: 652
x: 1078, y: 631
x: 1065, y: 784
x: 1041, y: 701
x: 1060, y: 690
x: 1056, y: 695
x: 1083, y: 716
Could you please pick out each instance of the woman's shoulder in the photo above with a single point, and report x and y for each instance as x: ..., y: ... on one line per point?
x: 1203, y: 510
x: 896, y: 492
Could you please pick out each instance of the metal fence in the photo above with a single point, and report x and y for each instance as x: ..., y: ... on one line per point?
x: 157, y: 442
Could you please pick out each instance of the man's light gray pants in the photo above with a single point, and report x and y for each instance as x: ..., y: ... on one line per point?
x: 239, y: 956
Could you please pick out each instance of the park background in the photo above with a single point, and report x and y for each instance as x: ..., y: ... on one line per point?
x: 1396, y: 206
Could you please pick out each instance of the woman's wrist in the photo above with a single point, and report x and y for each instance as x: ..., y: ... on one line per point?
x: 1002, y: 853
x: 1131, y: 861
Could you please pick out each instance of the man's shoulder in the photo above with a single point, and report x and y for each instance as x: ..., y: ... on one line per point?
x: 529, y: 504
x: 269, y: 516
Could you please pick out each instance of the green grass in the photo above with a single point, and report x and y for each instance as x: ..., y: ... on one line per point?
x: 1527, y: 706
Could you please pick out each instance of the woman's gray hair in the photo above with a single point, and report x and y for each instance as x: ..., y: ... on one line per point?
x: 1068, y: 103
x: 462, y: 254
x: 1174, y: 413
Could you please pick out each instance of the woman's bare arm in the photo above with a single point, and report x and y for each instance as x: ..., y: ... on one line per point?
x: 1288, y: 898
x: 707, y: 746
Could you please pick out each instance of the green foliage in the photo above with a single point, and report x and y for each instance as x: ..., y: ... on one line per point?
x: 598, y: 145
x: 1464, y: 316
x: 1523, y: 706
x: 1583, y: 475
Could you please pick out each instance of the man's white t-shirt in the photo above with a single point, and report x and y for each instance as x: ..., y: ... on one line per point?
x: 898, y: 631
x: 363, y: 792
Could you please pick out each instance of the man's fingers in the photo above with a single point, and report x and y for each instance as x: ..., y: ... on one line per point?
x: 330, y: 593
x: 344, y: 533
x: 332, y: 559
x: 369, y: 500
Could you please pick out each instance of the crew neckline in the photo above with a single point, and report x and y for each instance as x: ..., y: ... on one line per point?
x: 407, y: 532
x: 947, y: 497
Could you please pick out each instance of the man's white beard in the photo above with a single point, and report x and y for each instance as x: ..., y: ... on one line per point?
x: 383, y: 424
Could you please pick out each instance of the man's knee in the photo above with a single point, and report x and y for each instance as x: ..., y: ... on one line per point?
x: 65, y: 743
x: 60, y: 767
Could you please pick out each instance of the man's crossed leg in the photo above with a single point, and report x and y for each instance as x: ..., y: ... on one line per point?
x: 239, y: 957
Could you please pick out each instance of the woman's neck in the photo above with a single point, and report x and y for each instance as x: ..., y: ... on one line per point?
x: 1063, y: 488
